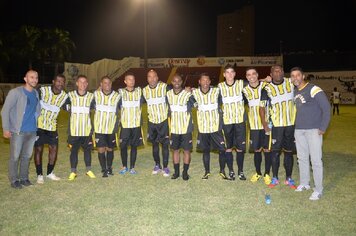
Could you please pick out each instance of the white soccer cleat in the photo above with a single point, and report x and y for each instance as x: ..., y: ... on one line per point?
x: 40, y: 179
x: 52, y: 176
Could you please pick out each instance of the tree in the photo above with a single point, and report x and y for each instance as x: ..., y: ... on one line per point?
x: 26, y: 42
x: 4, y: 57
x: 58, y: 46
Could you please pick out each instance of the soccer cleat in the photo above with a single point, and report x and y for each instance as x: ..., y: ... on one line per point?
x: 40, y: 179
x: 157, y: 169
x: 256, y: 177
x: 206, y: 175
x: 242, y: 176
x: 175, y: 176
x: 273, y: 183
x: 166, y: 172
x: 223, y: 175
x: 105, y: 174
x: 16, y: 185
x: 90, y: 174
x: 52, y: 176
x: 185, y: 176
x: 315, y: 196
x: 109, y: 171
x: 301, y: 188
x: 123, y: 170
x: 232, y: 175
x: 133, y: 171
x: 267, y: 179
x: 290, y: 183
x: 72, y: 176
x: 26, y: 183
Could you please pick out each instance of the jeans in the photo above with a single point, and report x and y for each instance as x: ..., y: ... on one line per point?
x: 309, y: 143
x: 21, y: 148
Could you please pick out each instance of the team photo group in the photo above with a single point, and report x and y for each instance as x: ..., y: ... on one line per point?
x: 274, y: 117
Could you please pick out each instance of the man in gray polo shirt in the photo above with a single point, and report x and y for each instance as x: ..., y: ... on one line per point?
x: 312, y: 120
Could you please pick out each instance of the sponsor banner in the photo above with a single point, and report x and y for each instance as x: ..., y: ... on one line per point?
x: 344, y: 81
x: 212, y: 62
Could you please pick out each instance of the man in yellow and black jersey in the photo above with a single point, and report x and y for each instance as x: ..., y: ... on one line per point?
x: 130, y: 123
x: 279, y: 94
x: 157, y: 108
x: 105, y: 124
x: 259, y: 139
x: 234, y: 126
x: 210, y: 136
x: 180, y: 104
x: 79, y: 104
x: 52, y: 99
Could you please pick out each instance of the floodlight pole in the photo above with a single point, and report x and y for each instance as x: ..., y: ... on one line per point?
x: 145, y: 32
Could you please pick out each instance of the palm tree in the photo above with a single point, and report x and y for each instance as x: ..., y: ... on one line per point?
x: 58, y: 46
x: 4, y: 56
x: 26, y: 42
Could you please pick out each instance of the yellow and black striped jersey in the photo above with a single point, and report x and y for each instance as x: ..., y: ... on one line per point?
x: 232, y: 102
x: 253, y: 97
x: 180, y: 111
x: 105, y: 116
x: 208, y: 115
x: 157, y: 107
x: 130, y: 105
x: 80, y: 106
x: 51, y: 104
x: 281, y: 104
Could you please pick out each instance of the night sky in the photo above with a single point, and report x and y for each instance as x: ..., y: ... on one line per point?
x: 184, y: 28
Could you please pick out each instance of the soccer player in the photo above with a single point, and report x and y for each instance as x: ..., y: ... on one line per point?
x: 157, y: 108
x: 180, y: 105
x: 259, y: 139
x: 105, y: 124
x: 210, y: 136
x: 19, y: 119
x: 234, y: 126
x: 80, y: 127
x: 312, y: 120
x: 130, y: 132
x: 279, y: 95
x: 335, y: 99
x: 52, y: 99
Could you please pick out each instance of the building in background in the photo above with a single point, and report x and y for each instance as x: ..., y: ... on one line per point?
x: 236, y: 33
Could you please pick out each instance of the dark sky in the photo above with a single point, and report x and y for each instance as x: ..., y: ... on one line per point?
x: 184, y: 28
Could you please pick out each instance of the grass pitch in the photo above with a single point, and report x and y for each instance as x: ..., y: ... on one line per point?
x: 150, y: 205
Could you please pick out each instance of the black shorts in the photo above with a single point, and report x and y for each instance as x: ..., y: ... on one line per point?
x: 283, y: 138
x: 105, y: 140
x: 235, y: 136
x: 259, y: 139
x: 131, y: 137
x: 86, y: 142
x: 158, y: 132
x: 211, y: 141
x: 182, y: 141
x: 46, y: 137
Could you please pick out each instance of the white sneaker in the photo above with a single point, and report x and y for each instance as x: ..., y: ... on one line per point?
x: 315, y: 196
x: 52, y: 176
x: 40, y: 179
x: 301, y: 188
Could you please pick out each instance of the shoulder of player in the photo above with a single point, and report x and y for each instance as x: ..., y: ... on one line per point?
x: 314, y: 89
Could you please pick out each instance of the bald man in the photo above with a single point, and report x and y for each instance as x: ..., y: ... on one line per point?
x: 19, y: 123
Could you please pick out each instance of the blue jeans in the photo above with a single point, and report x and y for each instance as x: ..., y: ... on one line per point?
x: 21, y: 148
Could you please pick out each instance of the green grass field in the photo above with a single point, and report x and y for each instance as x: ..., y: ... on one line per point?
x: 150, y: 205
